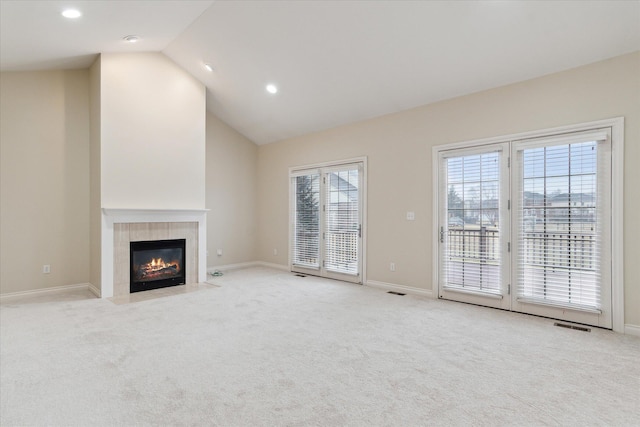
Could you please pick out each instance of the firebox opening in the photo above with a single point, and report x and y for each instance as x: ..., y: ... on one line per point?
x: 157, y: 264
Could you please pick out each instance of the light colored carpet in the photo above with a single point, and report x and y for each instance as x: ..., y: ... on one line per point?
x: 267, y: 348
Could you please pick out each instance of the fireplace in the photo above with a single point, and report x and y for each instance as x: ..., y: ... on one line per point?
x: 157, y: 264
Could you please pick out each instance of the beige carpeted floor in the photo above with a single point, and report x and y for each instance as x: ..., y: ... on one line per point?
x: 266, y: 348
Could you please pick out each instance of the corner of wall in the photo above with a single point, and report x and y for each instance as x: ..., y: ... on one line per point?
x: 95, y: 211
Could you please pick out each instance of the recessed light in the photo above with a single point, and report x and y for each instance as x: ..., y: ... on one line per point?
x: 271, y: 88
x: 71, y: 13
x: 208, y: 67
x: 131, y: 39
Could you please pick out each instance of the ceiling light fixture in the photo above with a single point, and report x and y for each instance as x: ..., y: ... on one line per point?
x: 271, y: 88
x: 71, y: 13
x: 131, y: 39
x: 208, y: 67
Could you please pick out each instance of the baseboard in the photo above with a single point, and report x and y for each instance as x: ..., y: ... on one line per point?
x: 632, y: 330
x: 232, y: 266
x: 94, y: 290
x: 272, y: 265
x: 249, y: 264
x: 46, y: 290
x: 399, y: 288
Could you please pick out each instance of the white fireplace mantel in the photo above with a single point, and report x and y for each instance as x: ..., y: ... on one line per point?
x: 112, y: 216
x: 154, y: 215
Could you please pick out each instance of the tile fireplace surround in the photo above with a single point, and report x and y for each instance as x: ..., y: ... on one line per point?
x: 122, y: 226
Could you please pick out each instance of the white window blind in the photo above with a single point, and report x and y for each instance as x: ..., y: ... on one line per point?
x: 562, y: 222
x: 471, y: 261
x: 306, y: 242
x: 342, y: 220
x: 326, y: 216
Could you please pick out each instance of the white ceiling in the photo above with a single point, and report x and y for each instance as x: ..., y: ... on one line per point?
x: 335, y: 62
x: 34, y: 36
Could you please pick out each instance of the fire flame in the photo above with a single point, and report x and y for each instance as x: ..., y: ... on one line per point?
x: 158, y: 264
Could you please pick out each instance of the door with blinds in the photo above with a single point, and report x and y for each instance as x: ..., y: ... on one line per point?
x: 474, y: 226
x: 326, y: 221
x: 562, y: 223
x: 525, y: 225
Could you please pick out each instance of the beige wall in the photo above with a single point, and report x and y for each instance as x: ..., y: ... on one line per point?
x: 231, y: 195
x: 398, y: 147
x: 152, y: 134
x: 45, y: 156
x: 95, y: 201
x: 44, y: 179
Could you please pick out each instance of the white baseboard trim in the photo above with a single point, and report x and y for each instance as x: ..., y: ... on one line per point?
x: 232, y: 266
x: 94, y: 290
x: 249, y: 264
x: 400, y: 288
x: 46, y: 290
x: 272, y: 265
x: 632, y: 330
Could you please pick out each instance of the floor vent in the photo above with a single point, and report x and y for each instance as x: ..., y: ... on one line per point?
x: 396, y: 293
x: 577, y: 328
x: 300, y: 275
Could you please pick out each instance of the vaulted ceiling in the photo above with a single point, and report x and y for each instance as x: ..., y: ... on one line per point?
x: 333, y: 62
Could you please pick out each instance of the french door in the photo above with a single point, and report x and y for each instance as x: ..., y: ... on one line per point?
x: 525, y: 226
x: 563, y: 227
x: 326, y: 221
x: 474, y: 230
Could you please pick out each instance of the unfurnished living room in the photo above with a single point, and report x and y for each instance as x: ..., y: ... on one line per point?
x: 319, y: 213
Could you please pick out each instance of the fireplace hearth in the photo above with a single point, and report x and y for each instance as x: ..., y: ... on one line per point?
x: 157, y: 264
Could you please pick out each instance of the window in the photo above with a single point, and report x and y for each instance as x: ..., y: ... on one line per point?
x: 563, y: 207
x: 472, y: 255
x: 531, y: 223
x: 307, y: 222
x: 327, y: 218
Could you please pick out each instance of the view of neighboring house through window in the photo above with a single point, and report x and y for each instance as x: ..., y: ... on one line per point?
x: 343, y: 221
x: 559, y: 226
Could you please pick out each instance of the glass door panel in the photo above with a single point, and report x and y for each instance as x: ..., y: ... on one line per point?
x: 473, y: 234
x: 562, y: 211
x: 342, y: 222
x: 327, y: 222
x: 306, y: 230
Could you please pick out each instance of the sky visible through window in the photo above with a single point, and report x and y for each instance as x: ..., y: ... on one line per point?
x: 561, y: 169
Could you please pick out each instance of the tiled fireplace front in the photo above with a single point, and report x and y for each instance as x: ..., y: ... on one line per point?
x: 120, y: 227
x: 125, y: 233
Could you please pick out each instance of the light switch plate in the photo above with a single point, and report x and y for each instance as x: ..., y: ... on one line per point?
x: 411, y: 216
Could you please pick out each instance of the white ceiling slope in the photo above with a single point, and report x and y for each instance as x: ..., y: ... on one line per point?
x: 335, y: 62
x: 34, y: 36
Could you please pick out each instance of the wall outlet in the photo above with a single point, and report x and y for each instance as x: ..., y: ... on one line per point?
x: 275, y: 251
x: 392, y: 266
x: 46, y: 269
x: 411, y: 216
x: 219, y: 252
